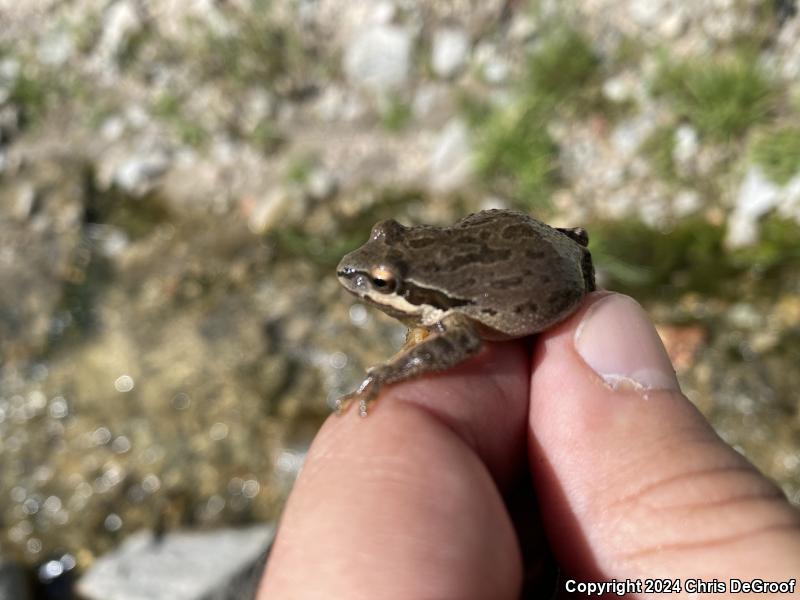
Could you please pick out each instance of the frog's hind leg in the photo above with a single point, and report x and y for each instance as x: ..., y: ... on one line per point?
x: 579, y: 234
x: 453, y: 341
x: 588, y: 272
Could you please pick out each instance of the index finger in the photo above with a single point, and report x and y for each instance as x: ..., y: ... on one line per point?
x: 407, y: 502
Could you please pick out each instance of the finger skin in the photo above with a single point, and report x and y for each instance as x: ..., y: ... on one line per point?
x: 635, y: 483
x: 405, y: 502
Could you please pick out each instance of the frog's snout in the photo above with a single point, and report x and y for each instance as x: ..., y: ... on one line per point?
x: 352, y: 279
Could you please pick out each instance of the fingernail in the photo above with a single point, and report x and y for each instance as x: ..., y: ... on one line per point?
x: 618, y: 341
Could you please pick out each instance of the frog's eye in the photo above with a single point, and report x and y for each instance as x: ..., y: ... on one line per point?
x: 383, y: 280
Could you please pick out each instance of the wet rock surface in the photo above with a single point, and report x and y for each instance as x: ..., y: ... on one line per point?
x: 214, y: 565
x: 178, y: 185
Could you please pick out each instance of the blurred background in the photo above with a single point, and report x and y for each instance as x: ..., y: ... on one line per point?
x: 179, y: 179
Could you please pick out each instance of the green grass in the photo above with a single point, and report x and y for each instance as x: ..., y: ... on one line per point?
x: 169, y: 107
x: 778, y: 153
x: 396, y: 116
x: 258, y: 51
x: 515, y: 154
x: 267, y: 136
x: 324, y: 251
x: 31, y: 97
x: 692, y: 257
x: 659, y: 148
x: 721, y: 97
x: 563, y: 71
x: 299, y: 169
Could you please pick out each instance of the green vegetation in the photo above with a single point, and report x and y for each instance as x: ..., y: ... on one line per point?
x: 327, y: 249
x: 30, y: 95
x: 722, y: 98
x: 137, y: 217
x: 563, y: 72
x: 659, y: 148
x: 267, y: 137
x: 169, y: 107
x: 515, y: 152
x: 396, y: 116
x: 257, y: 51
x: 691, y: 256
x: 517, y: 155
x: 778, y: 153
x: 300, y: 169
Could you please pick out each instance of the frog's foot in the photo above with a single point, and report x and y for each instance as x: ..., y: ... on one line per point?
x: 366, y: 394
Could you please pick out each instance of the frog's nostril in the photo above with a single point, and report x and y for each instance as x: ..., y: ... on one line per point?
x: 346, y: 272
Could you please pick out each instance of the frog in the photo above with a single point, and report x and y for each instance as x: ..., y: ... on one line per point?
x: 494, y: 275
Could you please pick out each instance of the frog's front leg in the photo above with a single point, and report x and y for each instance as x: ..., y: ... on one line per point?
x: 452, y: 341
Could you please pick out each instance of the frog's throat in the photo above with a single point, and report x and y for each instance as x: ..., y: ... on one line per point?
x: 400, y: 308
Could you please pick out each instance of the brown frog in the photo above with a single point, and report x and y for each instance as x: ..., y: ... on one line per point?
x: 494, y: 275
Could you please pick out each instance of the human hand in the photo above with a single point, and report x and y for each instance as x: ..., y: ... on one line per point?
x: 631, y: 481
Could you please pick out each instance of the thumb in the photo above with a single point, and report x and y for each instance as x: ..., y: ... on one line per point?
x: 632, y: 480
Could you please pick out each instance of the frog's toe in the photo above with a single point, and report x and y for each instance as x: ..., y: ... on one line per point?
x: 366, y: 394
x: 343, y: 403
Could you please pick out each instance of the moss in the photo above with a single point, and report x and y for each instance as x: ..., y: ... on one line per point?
x: 257, y: 50
x: 169, y: 107
x: 659, y: 148
x: 397, y: 116
x: 691, y: 257
x: 515, y: 153
x: 722, y: 97
x: 137, y: 217
x: 776, y: 256
x: 778, y: 153
x: 325, y: 251
x: 653, y: 264
x: 132, y: 48
x: 563, y: 71
x: 299, y: 169
x: 267, y: 136
x: 31, y: 96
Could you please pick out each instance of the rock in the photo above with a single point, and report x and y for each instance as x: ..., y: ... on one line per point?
x: 24, y: 202
x: 628, y: 135
x: 432, y: 101
x: 685, y: 150
x: 40, y: 235
x: 622, y: 87
x: 682, y: 343
x: 523, y: 27
x: 182, y: 565
x: 494, y: 68
x: 756, y: 197
x: 139, y: 174
x: 13, y: 581
x: 55, y: 49
x: 9, y: 122
x: 383, y: 12
x: 450, y: 51
x: 321, y: 184
x: 266, y: 213
x: 379, y: 58
x: 686, y: 202
x: 120, y: 22
x: 673, y: 24
x: 647, y: 13
x: 789, y: 205
x: 451, y: 160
